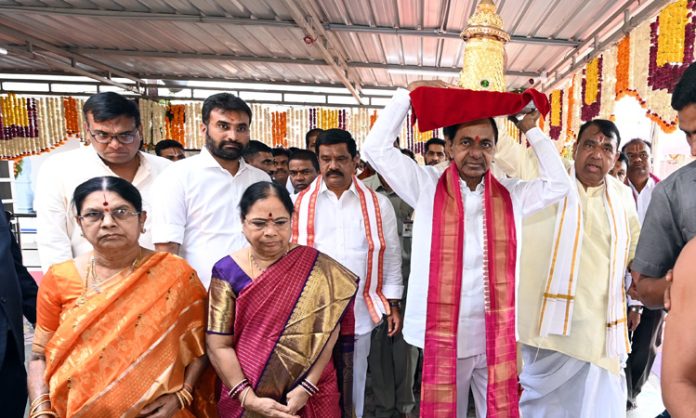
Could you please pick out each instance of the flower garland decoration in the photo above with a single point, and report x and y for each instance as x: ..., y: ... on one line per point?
x: 280, y: 129
x: 70, y: 113
x: 556, y: 116
x: 591, y: 89
x: 175, y: 119
x: 607, y: 99
x: 623, y: 66
x: 31, y: 126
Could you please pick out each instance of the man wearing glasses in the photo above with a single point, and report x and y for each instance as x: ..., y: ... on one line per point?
x: 114, y: 132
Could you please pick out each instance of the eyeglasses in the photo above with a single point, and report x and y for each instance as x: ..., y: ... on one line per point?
x: 121, y: 214
x: 261, y: 224
x: 105, y: 137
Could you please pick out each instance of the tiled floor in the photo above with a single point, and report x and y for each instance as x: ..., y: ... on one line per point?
x: 649, y: 400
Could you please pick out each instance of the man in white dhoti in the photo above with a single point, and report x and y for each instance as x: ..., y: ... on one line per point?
x: 572, y: 315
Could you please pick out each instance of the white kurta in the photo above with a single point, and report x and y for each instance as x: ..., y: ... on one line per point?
x: 58, y: 235
x: 416, y: 186
x: 339, y: 232
x: 197, y: 206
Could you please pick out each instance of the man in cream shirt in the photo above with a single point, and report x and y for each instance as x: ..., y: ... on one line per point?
x: 572, y: 306
x: 113, y: 127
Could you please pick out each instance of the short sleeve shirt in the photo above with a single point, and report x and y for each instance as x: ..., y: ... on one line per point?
x: 669, y: 224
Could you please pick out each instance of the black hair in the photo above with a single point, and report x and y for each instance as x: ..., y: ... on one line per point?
x: 264, y: 190
x: 110, y: 105
x: 166, y: 143
x: 606, y: 127
x: 410, y: 153
x: 310, y: 133
x: 337, y: 136
x: 305, y: 155
x: 451, y: 131
x: 117, y: 185
x: 254, y: 147
x: 623, y: 158
x: 280, y: 151
x: 433, y: 141
x: 224, y: 101
x: 685, y: 91
x: 293, y: 150
x: 634, y: 140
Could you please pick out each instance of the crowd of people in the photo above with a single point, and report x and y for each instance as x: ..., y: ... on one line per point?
x: 247, y: 280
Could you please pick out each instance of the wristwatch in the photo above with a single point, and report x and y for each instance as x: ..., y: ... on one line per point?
x: 636, y: 308
x: 395, y: 303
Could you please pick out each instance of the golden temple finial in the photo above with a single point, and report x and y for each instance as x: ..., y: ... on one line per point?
x: 483, y: 67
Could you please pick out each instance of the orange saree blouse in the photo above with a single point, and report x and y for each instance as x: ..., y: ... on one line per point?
x: 111, y: 352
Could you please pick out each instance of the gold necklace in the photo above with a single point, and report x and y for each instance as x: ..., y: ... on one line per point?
x: 253, y: 263
x: 96, y: 280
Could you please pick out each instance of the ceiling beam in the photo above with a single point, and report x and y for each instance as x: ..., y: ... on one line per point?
x: 332, y: 27
x: 309, y: 22
x: 70, y: 68
x: 291, y: 61
x: 34, y: 43
x: 437, y: 33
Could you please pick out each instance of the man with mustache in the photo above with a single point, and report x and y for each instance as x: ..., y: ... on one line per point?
x: 647, y: 322
x: 195, y: 213
x: 460, y: 304
x: 341, y: 217
x: 572, y: 321
x: 304, y: 168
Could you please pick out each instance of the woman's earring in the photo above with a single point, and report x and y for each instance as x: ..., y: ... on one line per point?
x: 144, y: 230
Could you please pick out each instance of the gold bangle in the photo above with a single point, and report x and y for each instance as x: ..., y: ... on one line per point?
x: 36, y: 405
x: 244, y: 395
x: 187, y: 396
x: 49, y: 412
x: 44, y: 397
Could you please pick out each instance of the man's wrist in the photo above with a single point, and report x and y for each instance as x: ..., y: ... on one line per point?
x: 395, y: 303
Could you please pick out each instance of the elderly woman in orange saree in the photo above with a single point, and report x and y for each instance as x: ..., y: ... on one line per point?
x: 119, y: 331
x: 280, y: 321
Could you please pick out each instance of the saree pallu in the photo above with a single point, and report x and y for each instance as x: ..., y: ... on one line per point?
x: 283, y: 320
x: 439, y: 387
x: 111, y: 353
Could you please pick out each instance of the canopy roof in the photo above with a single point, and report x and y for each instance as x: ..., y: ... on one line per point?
x: 352, y: 44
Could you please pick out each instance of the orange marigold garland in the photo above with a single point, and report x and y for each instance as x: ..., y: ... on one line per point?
x: 175, y: 122
x: 70, y: 112
x: 623, y: 66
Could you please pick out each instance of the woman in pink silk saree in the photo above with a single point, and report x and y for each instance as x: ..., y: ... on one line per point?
x: 280, y: 337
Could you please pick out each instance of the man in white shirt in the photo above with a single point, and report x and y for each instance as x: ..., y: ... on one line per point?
x: 340, y: 216
x: 196, y: 212
x: 472, y: 148
x: 646, y: 335
x: 113, y: 125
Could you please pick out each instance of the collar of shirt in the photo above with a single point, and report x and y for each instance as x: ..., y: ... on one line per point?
x: 207, y: 160
x: 591, y: 191
x: 467, y: 191
x: 325, y: 190
x: 649, y: 185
